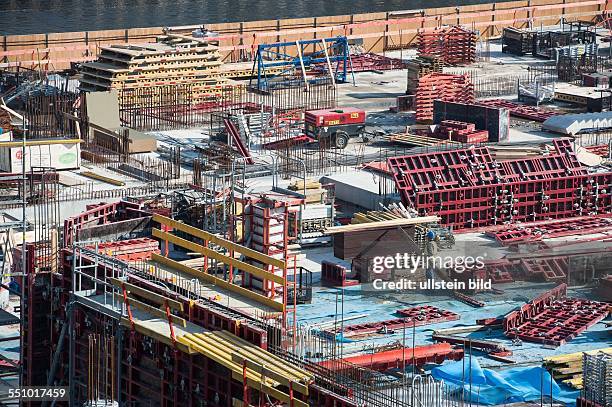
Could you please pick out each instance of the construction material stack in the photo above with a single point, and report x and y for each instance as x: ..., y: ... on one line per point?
x: 597, y: 379
x: 454, y: 45
x: 420, y: 66
x: 462, y: 132
x: 436, y: 183
x: 517, y: 42
x: 440, y: 86
x: 136, y: 66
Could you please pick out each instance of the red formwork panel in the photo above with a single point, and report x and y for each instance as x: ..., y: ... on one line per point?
x: 441, y: 86
x: 554, y: 268
x: 553, y: 319
x: 416, y: 316
x: 537, y: 114
x: 602, y: 150
x: 336, y: 275
x: 560, y: 322
x: 468, y: 189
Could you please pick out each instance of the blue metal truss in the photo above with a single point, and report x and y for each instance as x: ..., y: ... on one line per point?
x: 270, y: 55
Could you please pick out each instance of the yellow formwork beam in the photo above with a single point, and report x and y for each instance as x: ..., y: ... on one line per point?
x: 138, y: 327
x: 189, y: 245
x: 223, y: 357
x: 219, y: 282
x: 569, y: 357
x: 282, y: 373
x: 268, y: 357
x: 219, y: 241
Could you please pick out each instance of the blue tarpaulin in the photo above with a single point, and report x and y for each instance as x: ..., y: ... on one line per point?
x: 491, y: 387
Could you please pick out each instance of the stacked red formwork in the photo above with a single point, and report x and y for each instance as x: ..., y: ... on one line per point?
x: 453, y: 45
x: 468, y: 189
x: 461, y: 131
x: 440, y: 86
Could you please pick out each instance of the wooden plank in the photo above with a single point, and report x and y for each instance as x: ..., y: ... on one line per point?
x: 249, y: 268
x: 219, y: 282
x: 149, y: 295
x: 381, y: 225
x: 219, y: 241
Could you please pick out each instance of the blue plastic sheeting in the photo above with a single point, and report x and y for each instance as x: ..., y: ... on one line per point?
x: 491, y: 387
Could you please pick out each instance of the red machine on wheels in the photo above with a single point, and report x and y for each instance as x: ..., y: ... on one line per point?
x: 335, y: 125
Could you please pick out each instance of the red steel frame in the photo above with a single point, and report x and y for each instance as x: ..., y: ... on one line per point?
x: 552, y: 319
x: 468, y: 189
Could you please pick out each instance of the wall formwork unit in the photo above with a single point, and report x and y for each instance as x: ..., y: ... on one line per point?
x: 469, y: 189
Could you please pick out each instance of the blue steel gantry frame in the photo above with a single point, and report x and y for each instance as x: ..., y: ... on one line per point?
x: 335, y: 51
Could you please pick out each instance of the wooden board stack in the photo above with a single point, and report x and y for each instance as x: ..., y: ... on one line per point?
x: 568, y: 368
x: 175, y: 59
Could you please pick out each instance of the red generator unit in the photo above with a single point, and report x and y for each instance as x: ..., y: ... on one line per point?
x: 335, y: 126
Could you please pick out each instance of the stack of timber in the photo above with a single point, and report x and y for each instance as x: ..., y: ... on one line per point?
x: 420, y: 66
x: 367, y: 223
x: 393, y: 211
x: 568, y: 368
x: 418, y: 140
x: 315, y: 193
x: 125, y: 67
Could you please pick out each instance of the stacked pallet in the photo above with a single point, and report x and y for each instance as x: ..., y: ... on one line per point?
x: 128, y: 67
x: 420, y: 66
x: 568, y: 368
x: 461, y: 132
x: 453, y: 45
x: 440, y: 86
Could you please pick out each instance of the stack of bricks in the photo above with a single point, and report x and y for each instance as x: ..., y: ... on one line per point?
x: 453, y: 45
x: 461, y: 132
x: 440, y: 86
